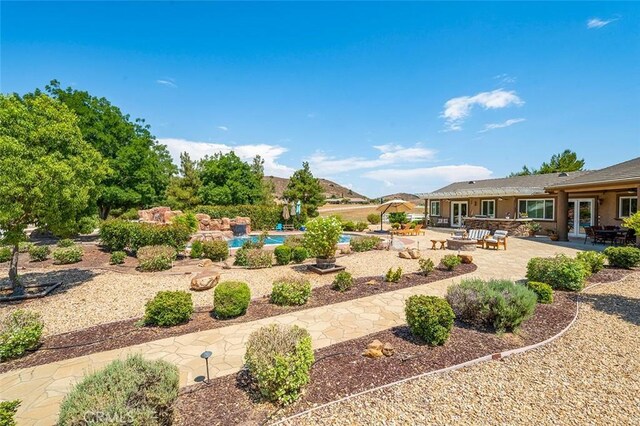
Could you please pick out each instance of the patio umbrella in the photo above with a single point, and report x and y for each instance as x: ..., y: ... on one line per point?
x: 394, y: 206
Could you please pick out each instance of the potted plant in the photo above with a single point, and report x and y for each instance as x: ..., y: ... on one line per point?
x: 553, y: 235
x: 533, y: 227
x: 321, y: 238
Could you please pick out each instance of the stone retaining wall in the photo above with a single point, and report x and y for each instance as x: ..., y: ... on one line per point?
x: 205, y: 223
x: 516, y: 227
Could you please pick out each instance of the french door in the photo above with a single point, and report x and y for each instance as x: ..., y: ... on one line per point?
x: 580, y: 213
x: 458, y: 213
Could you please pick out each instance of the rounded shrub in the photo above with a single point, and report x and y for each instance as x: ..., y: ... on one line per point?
x: 342, y: 282
x: 283, y: 254
x: 5, y: 254
x: 430, y: 318
x: 39, y: 253
x: 67, y: 255
x: 216, y: 250
x: 196, y: 250
x: 8, y: 410
x: 393, y: 276
x: 373, y: 218
x: 155, y: 258
x: 24, y: 246
x: 623, y: 257
x: 279, y: 358
x: 450, y: 261
x: 65, y: 242
x: 169, y: 308
x: 134, y: 392
x: 231, y: 299
x: 240, y: 257
x: 20, y: 331
x: 361, y: 226
x: 426, y: 266
x: 360, y: 244
x: 560, y: 272
x: 592, y: 259
x: 290, y: 291
x: 118, y: 257
x: 259, y: 258
x: 299, y: 254
x: 543, y: 291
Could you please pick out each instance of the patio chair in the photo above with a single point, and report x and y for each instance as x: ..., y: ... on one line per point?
x: 279, y: 227
x: 479, y: 235
x: 418, y: 230
x: 498, y: 238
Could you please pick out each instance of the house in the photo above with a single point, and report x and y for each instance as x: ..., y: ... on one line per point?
x: 562, y: 202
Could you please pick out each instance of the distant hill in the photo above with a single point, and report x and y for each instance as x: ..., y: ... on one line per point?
x: 401, y: 196
x: 330, y: 188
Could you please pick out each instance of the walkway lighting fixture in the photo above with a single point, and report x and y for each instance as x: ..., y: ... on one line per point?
x: 206, y: 355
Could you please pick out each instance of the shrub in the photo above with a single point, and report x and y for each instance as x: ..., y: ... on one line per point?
x: 24, y: 246
x: 20, y: 331
x: 67, y: 255
x: 373, y: 218
x: 543, y: 291
x: 231, y: 299
x: 360, y: 244
x: 168, y: 308
x: 216, y: 250
x: 283, y: 255
x: 294, y: 241
x: 322, y: 236
x: 241, y: 257
x: 299, y: 254
x: 426, y: 266
x: 623, y: 257
x: 134, y: 391
x: 399, y: 217
x: 259, y: 258
x: 393, y: 276
x: 119, y: 234
x: 188, y: 220
x: 5, y: 254
x: 39, y: 253
x: 343, y: 281
x: 262, y: 216
x: 290, y: 291
x: 593, y: 259
x: 450, y: 261
x: 348, y: 226
x: 197, y: 249
x: 499, y: 303
x: 560, y: 272
x: 115, y: 234
x: 155, y: 258
x: 118, y: 257
x: 65, y: 242
x: 279, y: 358
x: 8, y: 411
x: 430, y: 318
x: 361, y: 226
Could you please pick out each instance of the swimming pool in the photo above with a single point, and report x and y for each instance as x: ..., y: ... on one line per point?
x: 272, y: 240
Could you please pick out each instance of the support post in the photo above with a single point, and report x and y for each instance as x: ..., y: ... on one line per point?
x: 563, y: 215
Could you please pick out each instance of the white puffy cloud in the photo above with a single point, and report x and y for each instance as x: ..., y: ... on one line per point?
x: 456, y: 110
x: 223, y: 128
x: 426, y: 179
x: 595, y: 23
x: 323, y: 164
x: 510, y: 122
x: 197, y: 150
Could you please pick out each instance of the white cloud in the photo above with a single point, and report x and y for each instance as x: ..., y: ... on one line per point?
x: 418, y: 178
x: 456, y: 110
x: 223, y: 128
x: 197, y: 150
x: 595, y: 23
x: 169, y: 82
x: 510, y: 122
x: 505, y: 78
x: 323, y: 164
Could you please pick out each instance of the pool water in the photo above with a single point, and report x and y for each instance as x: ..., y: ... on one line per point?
x: 237, y: 242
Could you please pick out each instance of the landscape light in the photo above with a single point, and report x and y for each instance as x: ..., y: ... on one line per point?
x: 206, y: 355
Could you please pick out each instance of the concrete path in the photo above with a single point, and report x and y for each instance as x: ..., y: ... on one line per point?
x: 43, y: 387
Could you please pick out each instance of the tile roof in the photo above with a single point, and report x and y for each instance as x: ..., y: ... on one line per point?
x: 621, y: 172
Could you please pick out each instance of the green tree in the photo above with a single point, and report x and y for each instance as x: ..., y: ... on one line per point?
x: 48, y: 174
x: 307, y: 189
x: 267, y: 187
x: 182, y: 192
x: 566, y: 161
x: 227, y: 180
x: 141, y: 168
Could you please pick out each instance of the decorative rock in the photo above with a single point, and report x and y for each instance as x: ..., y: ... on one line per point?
x: 415, y: 253
x: 205, y: 280
x: 376, y: 345
x: 226, y: 265
x: 371, y: 282
x: 345, y: 250
x: 205, y: 263
x: 388, y: 349
x: 466, y: 258
x: 404, y: 254
x: 374, y: 349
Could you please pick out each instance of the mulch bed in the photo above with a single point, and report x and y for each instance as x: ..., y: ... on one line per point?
x: 120, y: 334
x: 608, y: 275
x: 341, y: 370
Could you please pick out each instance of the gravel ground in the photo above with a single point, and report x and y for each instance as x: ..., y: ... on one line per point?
x: 588, y: 376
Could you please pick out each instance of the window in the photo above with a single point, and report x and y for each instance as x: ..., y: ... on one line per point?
x: 488, y: 208
x: 536, y: 209
x: 435, y: 208
x: 628, y: 206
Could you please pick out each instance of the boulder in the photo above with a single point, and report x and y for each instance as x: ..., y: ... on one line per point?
x: 415, y: 253
x: 466, y: 258
x: 404, y: 254
x: 204, y: 263
x: 225, y: 224
x: 205, y: 280
x: 388, y: 349
x: 345, y: 250
x: 374, y: 349
x: 202, y: 216
x: 376, y: 345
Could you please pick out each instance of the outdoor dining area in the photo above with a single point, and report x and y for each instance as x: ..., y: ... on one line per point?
x: 613, y: 235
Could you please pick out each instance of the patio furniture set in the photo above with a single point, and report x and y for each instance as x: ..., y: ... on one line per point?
x: 609, y: 235
x: 469, y: 240
x: 407, y: 231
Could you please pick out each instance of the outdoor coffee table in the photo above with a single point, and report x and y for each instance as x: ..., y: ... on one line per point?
x: 434, y: 243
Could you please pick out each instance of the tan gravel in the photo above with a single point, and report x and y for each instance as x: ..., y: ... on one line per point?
x: 588, y: 376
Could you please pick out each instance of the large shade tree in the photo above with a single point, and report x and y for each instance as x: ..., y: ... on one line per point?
x: 48, y: 174
x: 141, y: 168
x: 227, y: 180
x: 304, y: 187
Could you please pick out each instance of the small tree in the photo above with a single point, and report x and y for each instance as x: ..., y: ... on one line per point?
x: 306, y: 188
x: 182, y: 192
x: 633, y: 222
x: 49, y: 174
x: 322, y: 236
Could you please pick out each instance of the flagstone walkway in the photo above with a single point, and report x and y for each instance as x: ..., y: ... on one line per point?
x: 43, y: 387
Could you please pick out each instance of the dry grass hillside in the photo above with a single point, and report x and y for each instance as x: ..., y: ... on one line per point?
x: 330, y: 188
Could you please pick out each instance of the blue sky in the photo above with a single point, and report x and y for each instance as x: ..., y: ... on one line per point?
x: 381, y: 97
